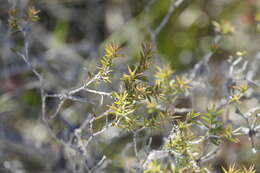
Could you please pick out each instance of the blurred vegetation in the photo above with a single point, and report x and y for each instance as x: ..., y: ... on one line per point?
x: 65, y: 40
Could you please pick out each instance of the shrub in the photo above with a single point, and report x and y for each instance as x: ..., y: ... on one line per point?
x: 123, y: 111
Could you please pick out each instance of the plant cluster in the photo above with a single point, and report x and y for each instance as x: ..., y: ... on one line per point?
x: 151, y: 102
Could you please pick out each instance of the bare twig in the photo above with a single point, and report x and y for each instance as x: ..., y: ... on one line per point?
x: 173, y: 6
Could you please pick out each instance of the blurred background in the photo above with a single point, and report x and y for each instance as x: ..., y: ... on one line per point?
x: 67, y: 42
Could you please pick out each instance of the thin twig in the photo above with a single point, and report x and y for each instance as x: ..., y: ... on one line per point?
x: 173, y: 6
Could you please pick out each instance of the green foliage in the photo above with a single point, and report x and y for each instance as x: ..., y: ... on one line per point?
x: 171, y: 86
x: 140, y: 103
x: 192, y: 117
x: 163, y: 75
x: 16, y: 23
x: 224, y: 27
x: 32, y: 14
x: 136, y: 90
x: 154, y: 167
x: 111, y: 52
x: 180, y: 146
x: 13, y: 21
x: 122, y: 108
x: 149, y: 103
x: 216, y: 128
x: 238, y: 92
x: 232, y: 169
